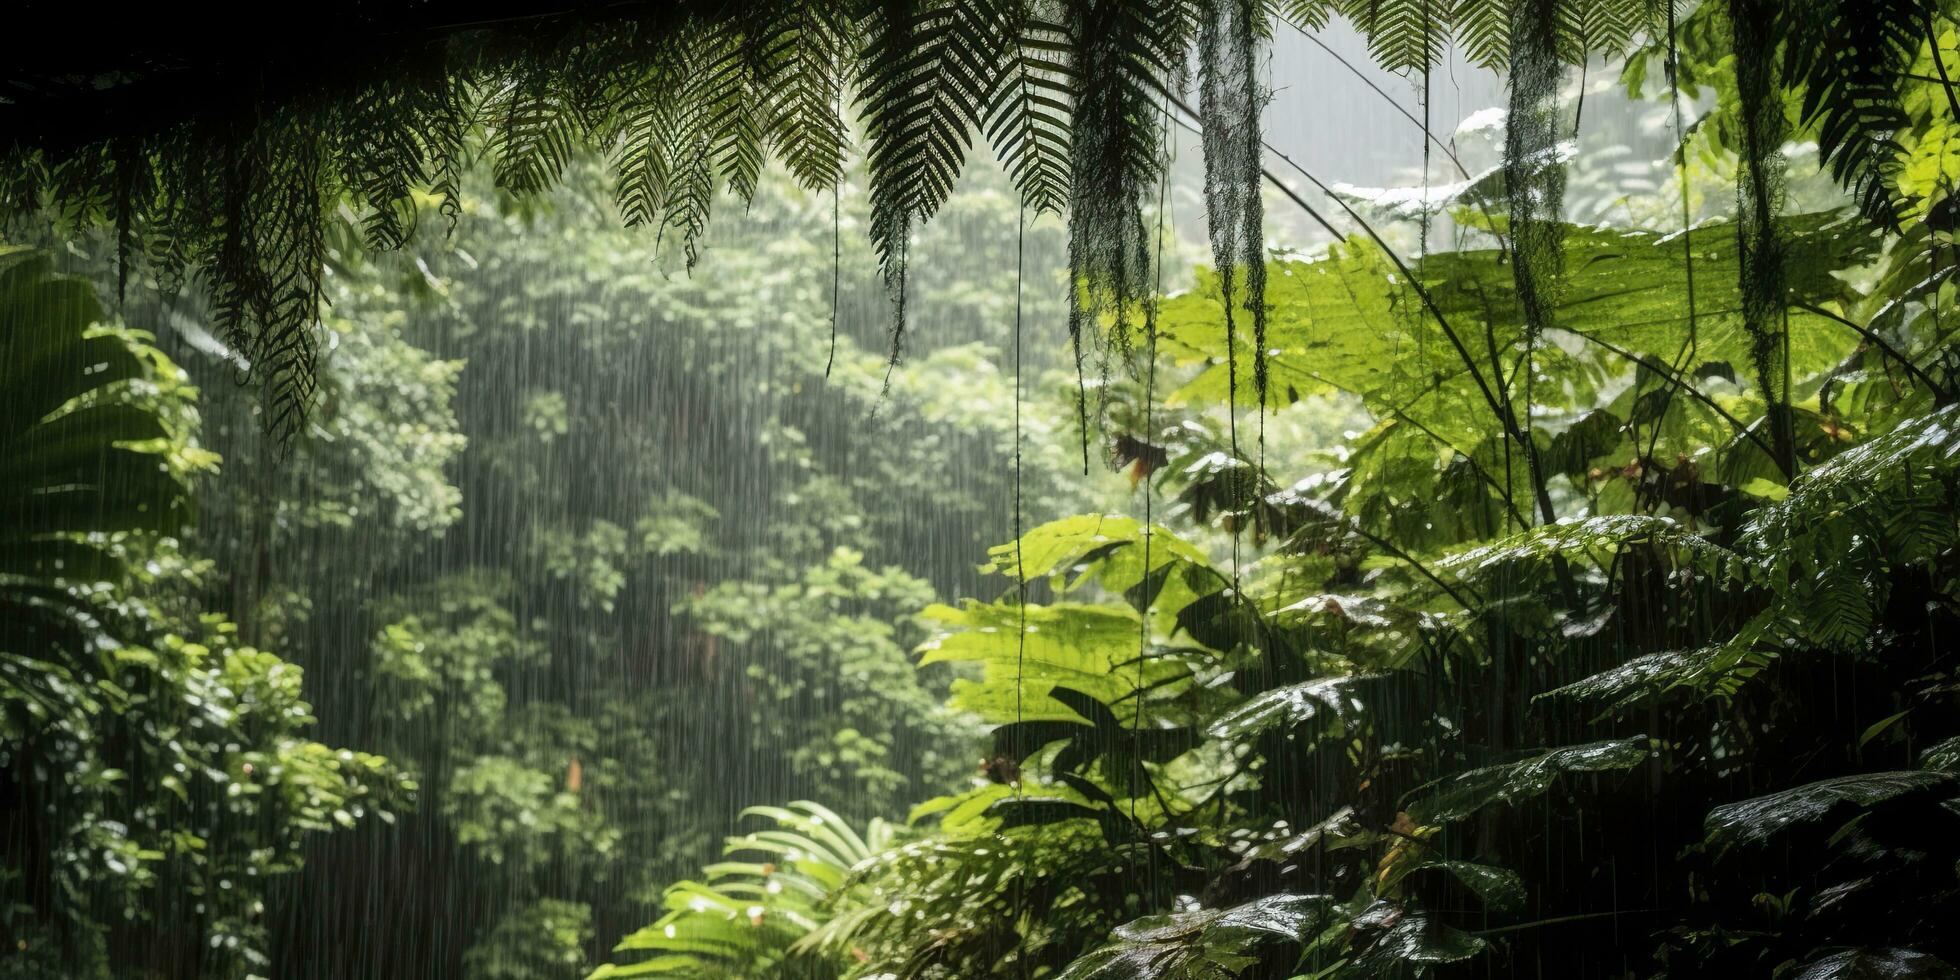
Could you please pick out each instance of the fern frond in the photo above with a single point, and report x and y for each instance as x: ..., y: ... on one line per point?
x: 290, y: 246
x: 1483, y: 30
x: 804, y: 56
x: 928, y: 74
x: 1124, y: 53
x: 1307, y: 15
x: 538, y: 130
x: 381, y: 137
x: 1029, y: 115
x: 929, y: 69
x: 1405, y: 35
x: 1851, y: 59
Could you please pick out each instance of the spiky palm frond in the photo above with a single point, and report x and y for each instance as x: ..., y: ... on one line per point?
x: 778, y: 887
x: 1412, y: 35
x: 1607, y: 26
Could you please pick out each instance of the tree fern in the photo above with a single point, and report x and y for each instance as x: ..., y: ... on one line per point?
x: 803, y: 53
x: 926, y: 76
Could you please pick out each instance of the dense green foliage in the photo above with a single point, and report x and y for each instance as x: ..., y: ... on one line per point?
x: 1576, y: 600
x: 158, y: 774
x: 1598, y: 649
x: 589, y: 677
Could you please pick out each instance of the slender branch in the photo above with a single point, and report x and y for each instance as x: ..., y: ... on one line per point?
x: 1939, y: 392
x: 1350, y: 524
x: 1406, y: 114
x: 1654, y: 364
x: 1427, y: 134
x: 1946, y: 84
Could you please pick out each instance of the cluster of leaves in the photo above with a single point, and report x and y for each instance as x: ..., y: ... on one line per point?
x: 157, y: 773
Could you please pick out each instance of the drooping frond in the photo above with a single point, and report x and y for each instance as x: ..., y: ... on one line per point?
x: 1483, y: 31
x: 538, y: 131
x: 802, y: 58
x: 382, y: 138
x: 927, y: 74
x: 1124, y: 53
x: 1029, y: 117
x: 1403, y: 35
x: 265, y: 268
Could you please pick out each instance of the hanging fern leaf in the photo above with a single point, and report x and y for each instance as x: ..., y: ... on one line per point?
x: 1403, y: 35
x: 538, y: 130
x: 927, y: 74
x: 1029, y: 116
x: 687, y: 98
x: 382, y: 133
x: 1230, y: 104
x: 1123, y: 53
x: 804, y: 55
x: 1484, y: 32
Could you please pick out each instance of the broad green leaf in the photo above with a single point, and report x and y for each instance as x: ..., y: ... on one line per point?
x: 1759, y: 820
x: 1087, y: 648
x: 1459, y: 796
x: 1204, y: 944
x: 1876, y: 964
x: 1501, y: 889
x: 1288, y: 706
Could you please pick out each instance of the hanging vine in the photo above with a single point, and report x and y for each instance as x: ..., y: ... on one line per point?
x: 1534, y: 171
x: 1759, y: 200
x: 1229, y: 106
